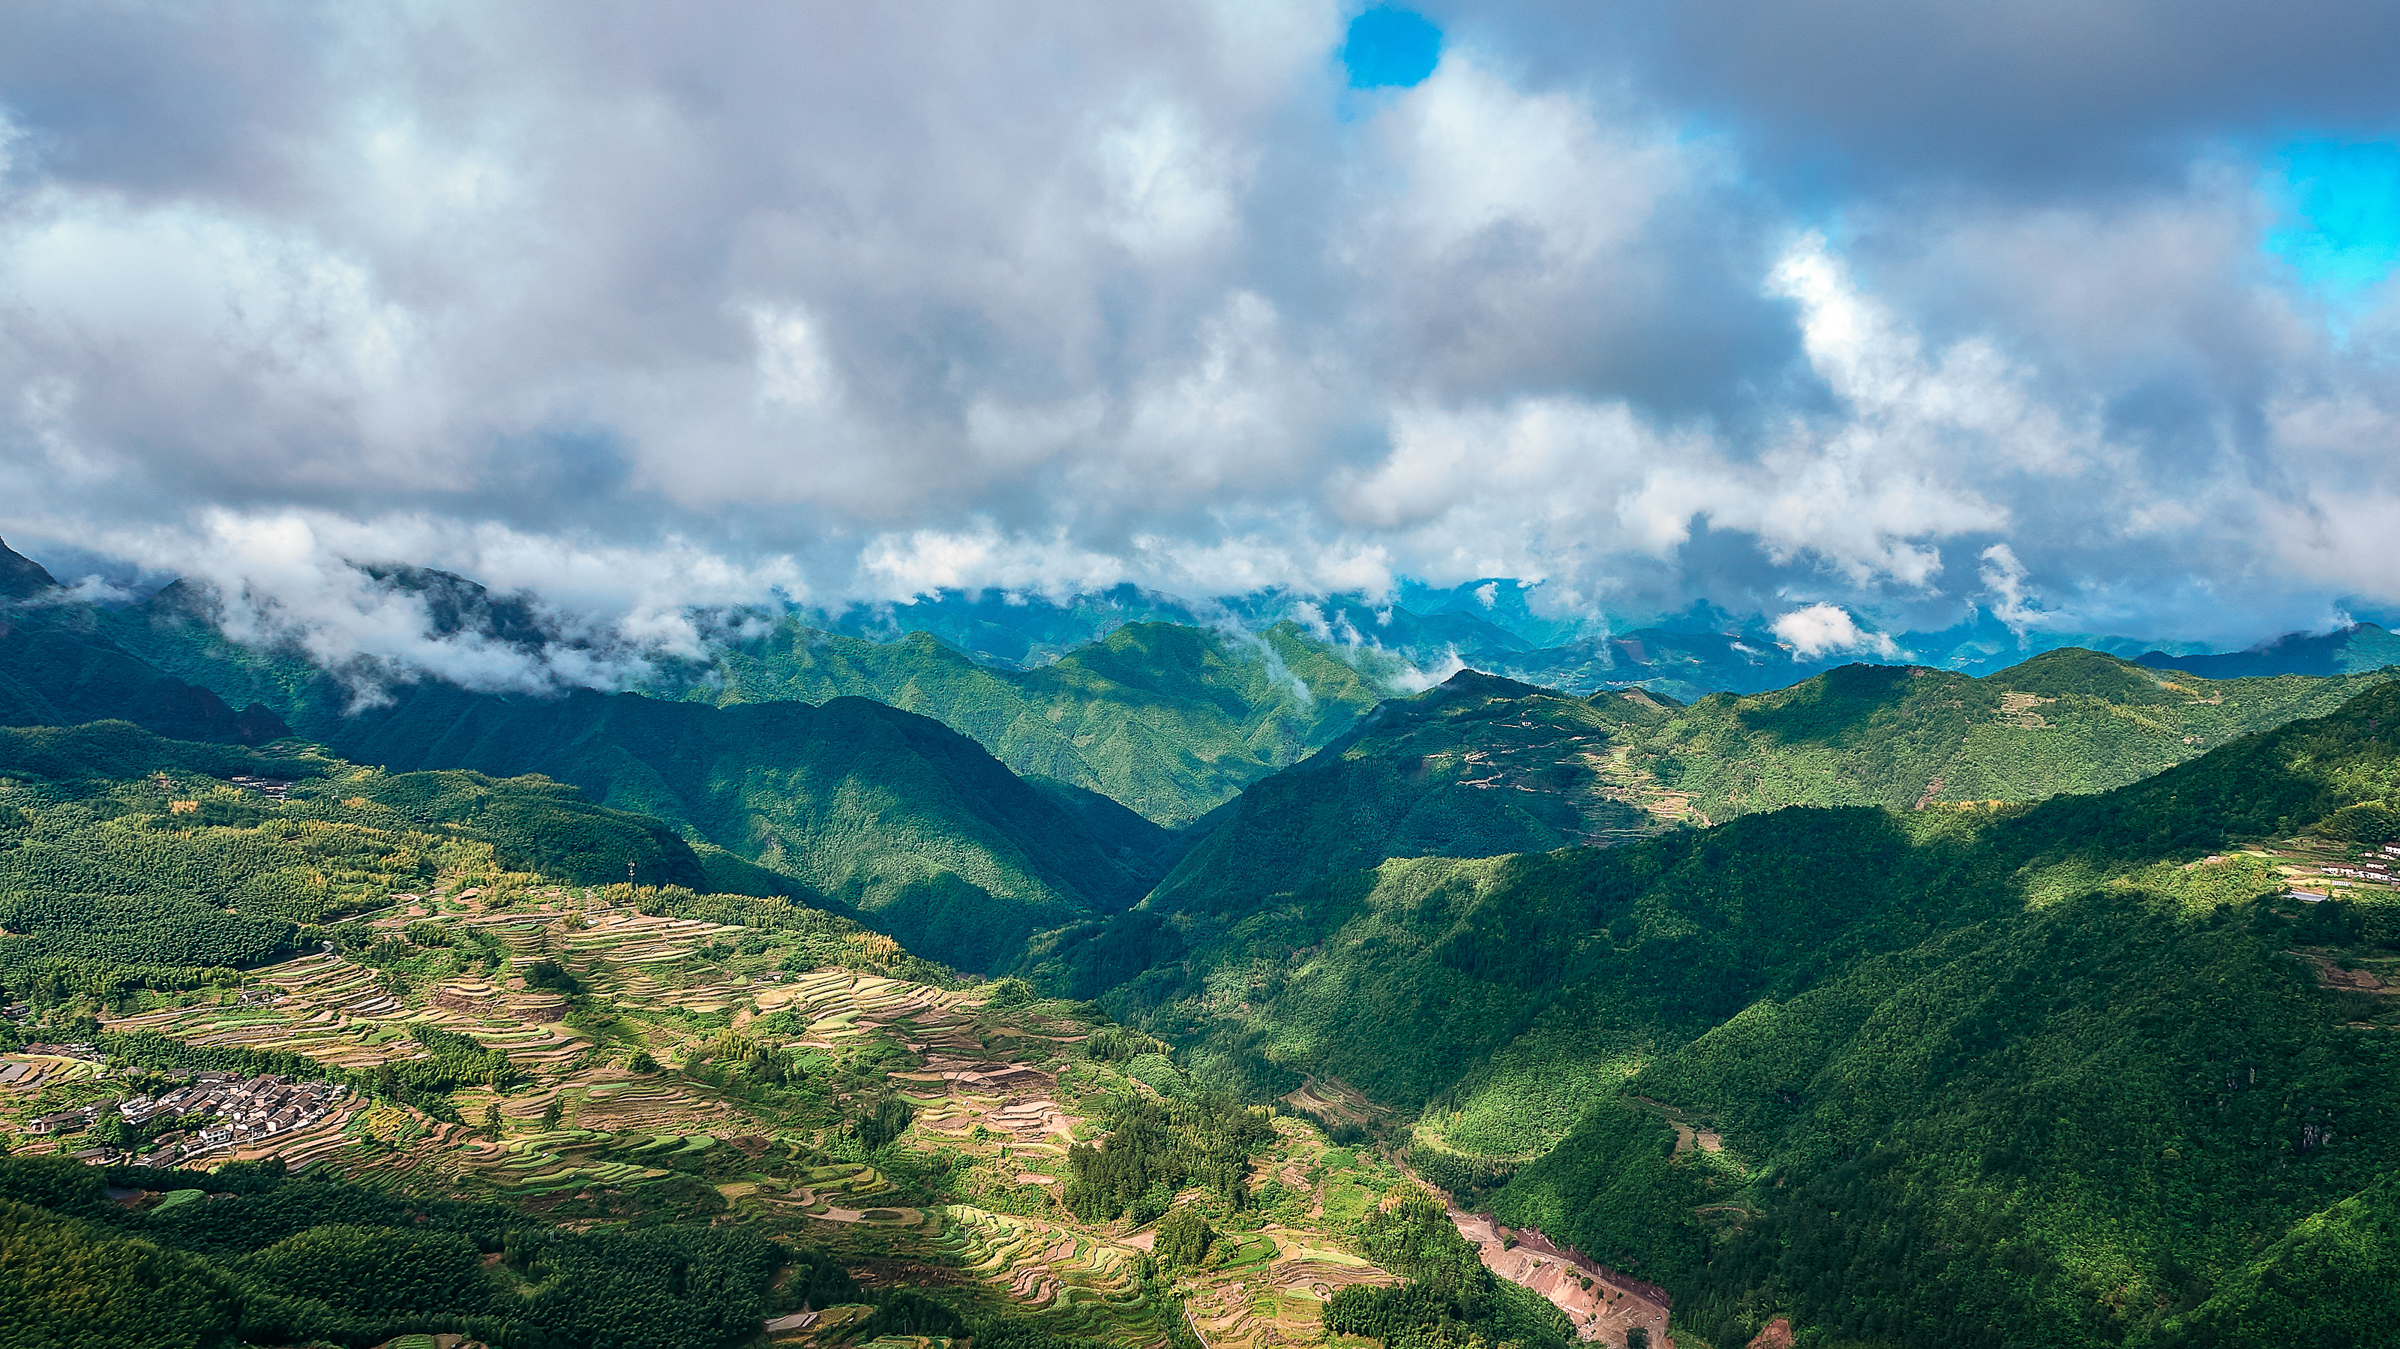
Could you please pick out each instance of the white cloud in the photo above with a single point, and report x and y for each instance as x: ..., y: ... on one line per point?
x: 1823, y: 629
x: 793, y: 370
x: 1484, y: 154
x: 295, y: 578
x: 1170, y: 192
x: 905, y: 308
x: 927, y: 561
x: 2004, y: 580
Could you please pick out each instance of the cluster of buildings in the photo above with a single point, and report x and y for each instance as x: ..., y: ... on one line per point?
x: 274, y: 789
x: 227, y: 1110
x: 73, y: 1121
x: 90, y: 1053
x: 2360, y: 871
x: 2371, y: 869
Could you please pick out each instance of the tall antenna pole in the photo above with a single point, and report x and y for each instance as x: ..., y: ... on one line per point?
x: 629, y: 871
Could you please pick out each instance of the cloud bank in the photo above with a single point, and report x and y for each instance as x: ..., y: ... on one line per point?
x: 635, y: 310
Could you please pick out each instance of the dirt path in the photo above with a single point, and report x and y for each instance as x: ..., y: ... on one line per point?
x: 1602, y: 1303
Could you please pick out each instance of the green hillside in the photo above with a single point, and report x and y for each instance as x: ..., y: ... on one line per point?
x: 1483, y: 766
x: 58, y: 668
x: 859, y: 804
x: 2334, y: 1279
x: 1898, y: 736
x: 1474, y: 768
x: 132, y: 859
x: 1170, y: 720
x: 914, y: 825
x: 1980, y: 1076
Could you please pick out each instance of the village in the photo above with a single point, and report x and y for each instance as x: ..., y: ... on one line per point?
x: 2374, y: 869
x: 211, y: 1112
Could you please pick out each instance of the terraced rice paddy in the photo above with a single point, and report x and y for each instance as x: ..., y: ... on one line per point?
x: 1270, y: 1287
x: 582, y: 1127
x: 1088, y: 1282
x: 35, y: 1072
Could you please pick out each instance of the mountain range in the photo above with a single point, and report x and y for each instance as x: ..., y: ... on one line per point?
x: 1169, y: 720
x: 1895, y: 1004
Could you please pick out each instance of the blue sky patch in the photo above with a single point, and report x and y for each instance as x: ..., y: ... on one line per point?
x: 2341, y: 224
x: 1390, y: 48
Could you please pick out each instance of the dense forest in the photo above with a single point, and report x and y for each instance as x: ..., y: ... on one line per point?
x: 275, y: 1258
x: 1484, y: 767
x: 1982, y: 1076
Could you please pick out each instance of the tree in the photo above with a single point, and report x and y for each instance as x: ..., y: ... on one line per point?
x: 1184, y: 1238
x: 888, y: 1120
x: 554, y: 1112
x: 491, y: 1120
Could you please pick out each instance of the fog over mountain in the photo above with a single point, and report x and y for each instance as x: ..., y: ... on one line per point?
x: 1851, y: 322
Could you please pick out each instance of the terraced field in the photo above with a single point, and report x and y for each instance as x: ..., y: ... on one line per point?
x: 671, y: 1066
x: 1039, y: 1262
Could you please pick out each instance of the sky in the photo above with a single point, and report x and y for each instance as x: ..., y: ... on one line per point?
x: 1859, y: 317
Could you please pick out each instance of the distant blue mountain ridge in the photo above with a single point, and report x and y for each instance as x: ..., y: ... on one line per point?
x: 1495, y: 624
x: 1492, y: 625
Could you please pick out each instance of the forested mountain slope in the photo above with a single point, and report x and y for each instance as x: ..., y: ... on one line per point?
x: 2052, y: 1066
x: 1477, y: 767
x: 1900, y: 736
x: 1169, y: 720
x: 855, y: 802
x: 58, y: 667
x: 913, y: 824
x: 1484, y: 766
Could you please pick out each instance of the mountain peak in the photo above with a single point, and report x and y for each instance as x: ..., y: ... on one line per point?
x: 1483, y: 685
x: 22, y: 578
